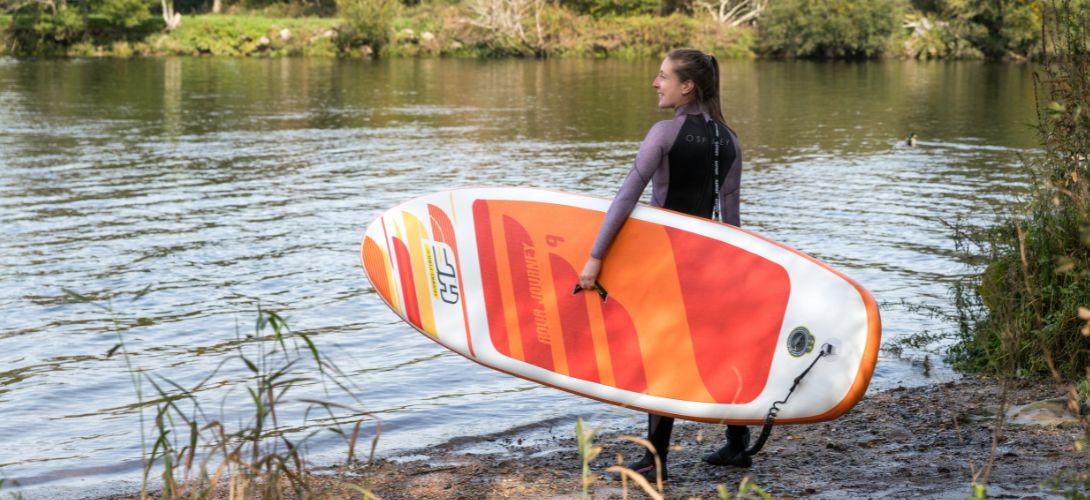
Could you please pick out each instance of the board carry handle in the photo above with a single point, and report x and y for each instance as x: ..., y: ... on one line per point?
x: 597, y: 287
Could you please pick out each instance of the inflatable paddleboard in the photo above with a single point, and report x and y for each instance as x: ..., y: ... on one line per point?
x: 699, y: 320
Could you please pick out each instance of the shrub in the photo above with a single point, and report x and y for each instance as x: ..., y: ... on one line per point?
x: 36, y: 31
x: 366, y: 22
x: 1030, y: 301
x: 599, y: 8
x: 121, y: 15
x: 829, y: 28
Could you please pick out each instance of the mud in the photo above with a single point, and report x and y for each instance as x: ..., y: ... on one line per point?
x: 924, y: 442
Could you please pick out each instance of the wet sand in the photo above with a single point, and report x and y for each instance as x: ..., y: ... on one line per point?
x: 926, y: 442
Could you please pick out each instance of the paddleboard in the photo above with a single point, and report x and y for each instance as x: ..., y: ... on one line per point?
x: 699, y: 320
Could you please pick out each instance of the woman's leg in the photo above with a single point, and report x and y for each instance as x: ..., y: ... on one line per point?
x: 734, y: 452
x: 658, y: 432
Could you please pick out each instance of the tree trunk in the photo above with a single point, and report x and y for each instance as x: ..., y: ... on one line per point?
x: 217, y: 7
x: 173, y: 19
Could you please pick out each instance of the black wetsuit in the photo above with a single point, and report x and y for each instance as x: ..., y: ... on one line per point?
x: 677, y: 156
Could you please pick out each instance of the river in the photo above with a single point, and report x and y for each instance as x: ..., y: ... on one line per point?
x: 216, y: 185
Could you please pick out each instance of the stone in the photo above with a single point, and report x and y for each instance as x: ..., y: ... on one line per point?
x: 427, y: 36
x: 285, y: 34
x: 1048, y: 412
x: 263, y: 41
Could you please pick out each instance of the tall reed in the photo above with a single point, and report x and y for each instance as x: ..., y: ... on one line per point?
x: 196, y: 454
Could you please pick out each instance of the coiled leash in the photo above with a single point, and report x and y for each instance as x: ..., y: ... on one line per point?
x: 826, y: 349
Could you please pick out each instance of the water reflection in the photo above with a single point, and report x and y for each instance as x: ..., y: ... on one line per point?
x: 225, y: 183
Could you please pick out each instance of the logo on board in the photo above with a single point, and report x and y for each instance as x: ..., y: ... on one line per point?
x: 444, y: 275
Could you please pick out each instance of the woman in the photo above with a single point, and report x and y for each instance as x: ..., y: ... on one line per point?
x: 682, y: 158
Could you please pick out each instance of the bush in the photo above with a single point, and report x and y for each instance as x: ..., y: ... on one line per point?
x: 247, y: 35
x: 366, y: 22
x: 930, y: 37
x: 1030, y: 302
x: 599, y: 8
x: 829, y: 28
x: 35, y: 31
x: 122, y: 15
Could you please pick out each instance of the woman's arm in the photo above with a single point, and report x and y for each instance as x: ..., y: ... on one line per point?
x: 649, y: 158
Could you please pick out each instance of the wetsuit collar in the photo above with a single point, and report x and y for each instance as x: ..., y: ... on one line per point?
x: 690, y: 107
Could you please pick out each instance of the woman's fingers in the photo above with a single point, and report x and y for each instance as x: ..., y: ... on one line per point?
x: 590, y: 273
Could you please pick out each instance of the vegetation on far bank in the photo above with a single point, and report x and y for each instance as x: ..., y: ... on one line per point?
x: 821, y: 29
x: 1026, y: 314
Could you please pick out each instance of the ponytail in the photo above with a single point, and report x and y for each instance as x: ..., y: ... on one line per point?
x: 703, y: 70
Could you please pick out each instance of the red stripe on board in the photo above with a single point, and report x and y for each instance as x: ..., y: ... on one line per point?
x: 624, y: 347
x: 444, y: 232
x: 405, y: 273
x: 375, y: 265
x: 735, y: 315
x: 493, y: 301
x: 574, y: 322
x: 527, y: 286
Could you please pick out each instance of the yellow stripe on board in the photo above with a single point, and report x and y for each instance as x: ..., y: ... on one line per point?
x: 415, y: 232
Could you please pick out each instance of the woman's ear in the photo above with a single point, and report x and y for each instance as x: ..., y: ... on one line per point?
x: 687, y: 87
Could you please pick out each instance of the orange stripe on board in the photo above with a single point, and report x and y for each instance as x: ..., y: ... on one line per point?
x: 490, y: 281
x: 503, y: 272
x: 405, y: 272
x: 526, y: 281
x: 746, y: 301
x: 574, y: 322
x: 624, y: 347
x: 375, y: 264
x: 443, y: 231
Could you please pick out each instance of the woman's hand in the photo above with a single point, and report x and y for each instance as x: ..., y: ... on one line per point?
x: 590, y: 273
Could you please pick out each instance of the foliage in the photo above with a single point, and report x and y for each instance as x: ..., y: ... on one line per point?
x: 247, y: 35
x: 600, y: 8
x: 120, y: 15
x: 366, y: 22
x: 1012, y: 25
x: 48, y: 28
x: 1027, y: 299
x: 928, y: 36
x: 747, y: 490
x: 733, y: 12
x: 828, y: 28
x: 195, y: 453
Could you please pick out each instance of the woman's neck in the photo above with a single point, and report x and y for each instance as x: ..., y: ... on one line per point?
x: 689, y: 107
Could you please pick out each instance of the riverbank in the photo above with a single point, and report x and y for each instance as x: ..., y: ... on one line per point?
x: 423, y: 31
x: 923, y: 442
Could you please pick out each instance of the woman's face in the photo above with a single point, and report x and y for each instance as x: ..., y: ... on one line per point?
x: 672, y: 92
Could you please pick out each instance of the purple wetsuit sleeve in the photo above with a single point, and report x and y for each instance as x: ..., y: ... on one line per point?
x: 729, y: 192
x: 652, y: 155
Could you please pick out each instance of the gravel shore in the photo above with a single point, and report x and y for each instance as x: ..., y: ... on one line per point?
x: 922, y: 442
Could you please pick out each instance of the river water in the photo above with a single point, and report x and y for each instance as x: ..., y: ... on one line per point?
x: 216, y: 185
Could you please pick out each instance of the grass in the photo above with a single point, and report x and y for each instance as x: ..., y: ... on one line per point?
x: 244, y: 35
x: 196, y: 454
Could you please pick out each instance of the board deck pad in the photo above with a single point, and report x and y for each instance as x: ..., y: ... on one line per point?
x: 696, y: 324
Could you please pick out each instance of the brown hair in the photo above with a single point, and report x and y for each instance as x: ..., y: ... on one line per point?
x: 703, y: 70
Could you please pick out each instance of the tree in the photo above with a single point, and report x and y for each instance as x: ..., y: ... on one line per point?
x: 734, y: 12
x: 173, y: 19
